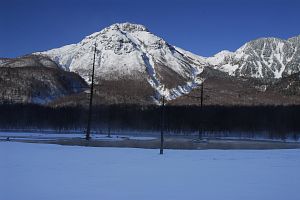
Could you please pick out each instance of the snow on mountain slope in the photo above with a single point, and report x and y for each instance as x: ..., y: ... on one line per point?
x: 197, y: 60
x: 261, y: 58
x: 219, y: 57
x: 130, y: 51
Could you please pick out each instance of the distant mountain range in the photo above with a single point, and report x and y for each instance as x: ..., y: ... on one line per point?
x: 135, y: 66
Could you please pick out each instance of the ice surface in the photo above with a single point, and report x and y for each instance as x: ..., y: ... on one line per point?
x: 51, y: 172
x: 52, y: 136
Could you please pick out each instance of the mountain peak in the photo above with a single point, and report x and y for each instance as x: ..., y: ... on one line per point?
x: 128, y: 27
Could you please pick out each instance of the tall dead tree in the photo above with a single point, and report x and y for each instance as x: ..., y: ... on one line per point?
x: 201, y: 104
x: 162, y: 125
x: 201, y: 100
x: 88, y: 129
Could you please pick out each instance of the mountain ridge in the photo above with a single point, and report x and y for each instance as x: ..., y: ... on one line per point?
x: 265, y: 57
x: 131, y: 58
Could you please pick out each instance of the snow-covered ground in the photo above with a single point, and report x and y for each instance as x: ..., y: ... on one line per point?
x: 43, y: 171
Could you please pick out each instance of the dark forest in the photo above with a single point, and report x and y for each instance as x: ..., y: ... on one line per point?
x: 276, y: 120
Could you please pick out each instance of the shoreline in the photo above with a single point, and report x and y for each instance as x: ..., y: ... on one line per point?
x: 170, y: 143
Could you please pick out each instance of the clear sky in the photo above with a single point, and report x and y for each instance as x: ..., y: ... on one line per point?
x: 203, y: 27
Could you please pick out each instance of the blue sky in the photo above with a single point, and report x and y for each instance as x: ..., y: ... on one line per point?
x: 203, y: 27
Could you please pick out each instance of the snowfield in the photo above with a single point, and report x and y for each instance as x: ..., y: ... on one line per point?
x: 43, y: 171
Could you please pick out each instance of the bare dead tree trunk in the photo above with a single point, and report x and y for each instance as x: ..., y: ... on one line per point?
x: 202, y: 94
x: 162, y: 125
x: 88, y: 129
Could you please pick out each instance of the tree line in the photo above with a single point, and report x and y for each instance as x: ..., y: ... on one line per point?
x: 178, y: 119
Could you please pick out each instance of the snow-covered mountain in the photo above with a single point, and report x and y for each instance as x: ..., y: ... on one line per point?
x: 135, y: 66
x: 130, y: 51
x: 261, y: 58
